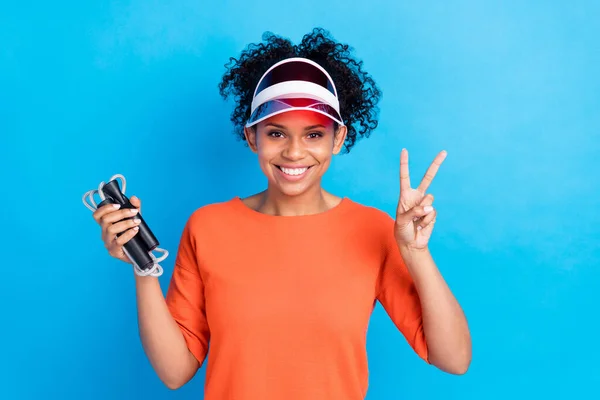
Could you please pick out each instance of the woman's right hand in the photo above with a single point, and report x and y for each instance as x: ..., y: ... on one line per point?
x: 113, y: 221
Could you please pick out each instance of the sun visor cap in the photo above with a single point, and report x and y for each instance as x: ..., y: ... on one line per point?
x: 294, y: 78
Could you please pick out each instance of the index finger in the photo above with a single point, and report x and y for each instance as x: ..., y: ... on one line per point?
x: 102, y: 211
x: 431, y: 171
x: 404, y: 176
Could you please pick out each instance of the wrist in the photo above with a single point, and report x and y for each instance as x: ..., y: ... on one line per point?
x: 410, y: 251
x: 417, y: 260
x: 141, y: 279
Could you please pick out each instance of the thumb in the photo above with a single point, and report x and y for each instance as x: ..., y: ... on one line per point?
x: 136, y: 202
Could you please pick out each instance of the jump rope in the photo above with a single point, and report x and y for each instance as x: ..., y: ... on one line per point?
x: 139, y: 248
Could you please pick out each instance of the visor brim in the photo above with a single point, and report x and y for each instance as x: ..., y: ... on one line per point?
x: 276, y: 107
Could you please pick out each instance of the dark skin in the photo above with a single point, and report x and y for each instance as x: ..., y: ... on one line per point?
x: 294, y: 139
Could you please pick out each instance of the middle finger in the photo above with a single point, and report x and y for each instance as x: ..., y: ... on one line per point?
x: 117, y: 216
x: 122, y: 226
x: 432, y: 171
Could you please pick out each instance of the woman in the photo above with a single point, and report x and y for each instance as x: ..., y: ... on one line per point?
x: 282, y: 283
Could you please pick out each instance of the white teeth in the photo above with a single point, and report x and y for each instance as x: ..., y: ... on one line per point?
x: 293, y: 171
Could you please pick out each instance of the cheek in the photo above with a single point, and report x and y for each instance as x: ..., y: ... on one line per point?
x: 266, y: 151
x: 322, y: 150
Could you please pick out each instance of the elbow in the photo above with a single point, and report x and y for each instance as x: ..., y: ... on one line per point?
x: 456, y: 367
x: 175, y: 380
x: 176, y: 375
x: 460, y: 368
x: 455, y: 364
x: 462, y: 363
x: 173, y: 383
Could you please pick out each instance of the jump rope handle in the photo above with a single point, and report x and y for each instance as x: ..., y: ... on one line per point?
x: 141, y: 245
x: 139, y: 248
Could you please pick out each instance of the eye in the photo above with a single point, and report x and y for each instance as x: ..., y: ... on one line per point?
x: 315, y: 135
x: 275, y: 134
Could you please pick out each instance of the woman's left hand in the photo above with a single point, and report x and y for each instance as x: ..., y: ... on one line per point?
x: 415, y: 215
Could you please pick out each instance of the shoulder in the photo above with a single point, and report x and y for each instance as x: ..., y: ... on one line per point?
x: 370, y: 215
x: 374, y: 226
x: 212, y: 214
x: 373, y: 223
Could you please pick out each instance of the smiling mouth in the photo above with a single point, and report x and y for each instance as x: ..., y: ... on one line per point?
x: 293, y: 171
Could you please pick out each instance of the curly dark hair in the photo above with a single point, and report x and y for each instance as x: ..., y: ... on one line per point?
x: 357, y: 92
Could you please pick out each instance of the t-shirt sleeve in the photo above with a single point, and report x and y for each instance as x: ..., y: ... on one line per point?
x: 185, y: 296
x: 398, y: 295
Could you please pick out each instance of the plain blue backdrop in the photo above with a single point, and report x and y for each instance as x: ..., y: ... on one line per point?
x: 510, y: 89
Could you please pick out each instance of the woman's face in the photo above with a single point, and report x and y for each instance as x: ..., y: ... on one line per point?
x: 295, y: 149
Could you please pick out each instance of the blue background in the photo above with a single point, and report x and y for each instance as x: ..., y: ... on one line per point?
x: 510, y: 89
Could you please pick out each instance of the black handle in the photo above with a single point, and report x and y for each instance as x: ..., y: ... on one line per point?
x: 140, y: 246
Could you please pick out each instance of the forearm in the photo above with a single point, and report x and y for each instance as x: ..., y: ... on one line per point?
x: 444, y: 323
x: 161, y: 337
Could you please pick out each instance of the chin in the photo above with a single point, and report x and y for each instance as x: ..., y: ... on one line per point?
x: 291, y: 191
x: 292, y: 185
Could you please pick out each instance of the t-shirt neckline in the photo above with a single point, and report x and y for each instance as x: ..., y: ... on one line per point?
x: 344, y: 202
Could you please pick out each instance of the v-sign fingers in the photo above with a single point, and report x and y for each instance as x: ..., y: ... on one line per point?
x: 404, y: 177
x: 431, y: 171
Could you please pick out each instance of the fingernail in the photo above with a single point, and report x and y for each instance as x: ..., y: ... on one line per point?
x: 133, y: 210
x: 428, y: 209
x: 116, y: 205
x: 135, y: 228
x: 137, y: 220
x: 419, y: 227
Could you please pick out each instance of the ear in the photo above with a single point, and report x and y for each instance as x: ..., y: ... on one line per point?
x: 340, y: 137
x: 250, y: 134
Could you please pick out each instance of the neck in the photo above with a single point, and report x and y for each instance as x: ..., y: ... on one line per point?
x: 274, y: 202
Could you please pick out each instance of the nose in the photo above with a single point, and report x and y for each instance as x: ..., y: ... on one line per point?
x: 294, y: 149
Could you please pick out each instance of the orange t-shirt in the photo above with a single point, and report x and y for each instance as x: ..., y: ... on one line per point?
x: 285, y: 301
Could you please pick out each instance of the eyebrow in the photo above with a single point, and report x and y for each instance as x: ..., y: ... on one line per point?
x: 307, y: 128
